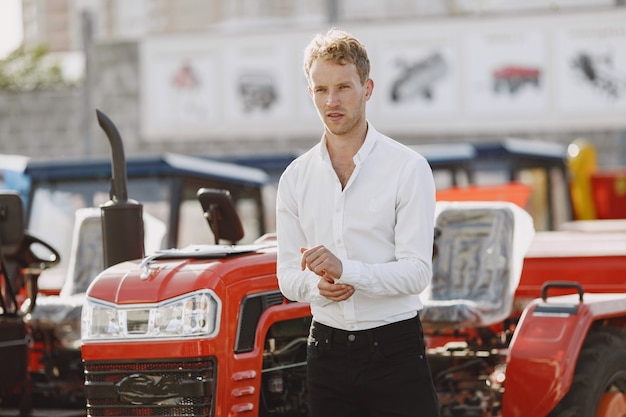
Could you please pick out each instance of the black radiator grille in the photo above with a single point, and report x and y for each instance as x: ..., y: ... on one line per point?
x: 151, y: 388
x: 250, y: 312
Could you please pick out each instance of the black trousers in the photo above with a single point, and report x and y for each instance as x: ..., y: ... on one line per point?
x: 378, y: 372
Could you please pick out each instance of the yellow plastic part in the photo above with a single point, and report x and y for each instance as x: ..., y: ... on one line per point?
x: 582, y: 164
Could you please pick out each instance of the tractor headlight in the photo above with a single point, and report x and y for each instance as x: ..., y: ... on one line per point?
x: 192, y: 315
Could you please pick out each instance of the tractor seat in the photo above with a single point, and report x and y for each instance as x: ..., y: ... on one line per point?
x: 480, y: 251
x: 11, y: 222
x: 11, y: 235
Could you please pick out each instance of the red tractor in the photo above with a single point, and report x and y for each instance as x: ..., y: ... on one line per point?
x: 64, y: 196
x: 22, y: 259
x: 503, y: 338
x: 514, y: 77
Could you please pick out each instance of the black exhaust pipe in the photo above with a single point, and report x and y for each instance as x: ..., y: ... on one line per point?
x: 122, y: 219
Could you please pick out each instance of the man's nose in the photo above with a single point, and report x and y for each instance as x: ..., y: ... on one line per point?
x: 332, y: 99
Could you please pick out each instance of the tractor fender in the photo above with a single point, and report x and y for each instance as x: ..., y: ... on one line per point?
x: 545, y: 348
x: 244, y: 388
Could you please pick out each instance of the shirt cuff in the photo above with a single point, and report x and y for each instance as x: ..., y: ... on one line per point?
x: 314, y: 293
x: 355, y: 274
x: 351, y: 272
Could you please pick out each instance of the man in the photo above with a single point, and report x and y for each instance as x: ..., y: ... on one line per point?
x: 355, y: 221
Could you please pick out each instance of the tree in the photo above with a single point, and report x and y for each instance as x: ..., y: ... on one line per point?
x: 32, y: 69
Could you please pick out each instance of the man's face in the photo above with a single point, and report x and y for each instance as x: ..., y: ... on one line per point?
x: 338, y: 95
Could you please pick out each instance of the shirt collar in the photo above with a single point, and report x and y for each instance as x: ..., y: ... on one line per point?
x: 368, y: 144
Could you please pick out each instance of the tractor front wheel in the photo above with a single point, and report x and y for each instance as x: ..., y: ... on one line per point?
x: 599, y: 385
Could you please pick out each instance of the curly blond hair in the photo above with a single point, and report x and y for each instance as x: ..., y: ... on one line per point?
x: 339, y: 47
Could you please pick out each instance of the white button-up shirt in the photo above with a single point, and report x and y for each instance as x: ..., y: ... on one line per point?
x: 380, y: 226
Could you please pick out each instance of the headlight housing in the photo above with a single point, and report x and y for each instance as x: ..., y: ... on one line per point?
x: 192, y: 315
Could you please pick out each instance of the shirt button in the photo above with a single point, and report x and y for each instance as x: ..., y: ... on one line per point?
x: 351, y: 337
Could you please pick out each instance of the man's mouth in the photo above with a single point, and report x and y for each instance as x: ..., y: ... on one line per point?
x: 334, y: 116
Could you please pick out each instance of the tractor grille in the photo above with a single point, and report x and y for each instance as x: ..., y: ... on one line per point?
x: 250, y: 312
x: 151, y: 388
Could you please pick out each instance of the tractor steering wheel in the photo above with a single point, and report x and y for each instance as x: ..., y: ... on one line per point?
x: 34, y: 252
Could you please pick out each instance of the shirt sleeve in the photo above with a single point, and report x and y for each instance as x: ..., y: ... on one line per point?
x: 411, y: 271
x: 294, y: 283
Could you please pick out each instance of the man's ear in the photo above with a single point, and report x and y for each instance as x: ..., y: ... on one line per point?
x: 369, y: 88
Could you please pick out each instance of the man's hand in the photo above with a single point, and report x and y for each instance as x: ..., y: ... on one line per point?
x: 334, y: 292
x: 324, y: 263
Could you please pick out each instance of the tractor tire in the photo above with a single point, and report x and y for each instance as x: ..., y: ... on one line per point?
x: 600, y: 371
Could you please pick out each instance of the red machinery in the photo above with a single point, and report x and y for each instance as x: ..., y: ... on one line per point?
x: 22, y: 259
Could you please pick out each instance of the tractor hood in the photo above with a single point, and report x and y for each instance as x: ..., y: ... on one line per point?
x: 170, y: 294
x: 166, y: 274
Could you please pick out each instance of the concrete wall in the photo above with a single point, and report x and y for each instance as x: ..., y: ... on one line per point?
x: 40, y: 123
